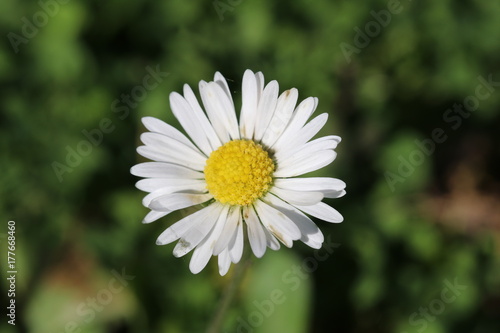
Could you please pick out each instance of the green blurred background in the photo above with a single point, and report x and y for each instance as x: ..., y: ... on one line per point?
x: 417, y: 219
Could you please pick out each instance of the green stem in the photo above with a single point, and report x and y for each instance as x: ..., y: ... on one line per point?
x: 229, y: 292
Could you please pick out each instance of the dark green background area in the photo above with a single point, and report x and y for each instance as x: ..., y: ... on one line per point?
x: 422, y: 210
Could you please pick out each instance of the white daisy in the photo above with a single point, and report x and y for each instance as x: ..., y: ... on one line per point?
x: 240, y: 174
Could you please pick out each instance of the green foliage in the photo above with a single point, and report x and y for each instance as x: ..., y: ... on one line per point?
x: 78, y: 215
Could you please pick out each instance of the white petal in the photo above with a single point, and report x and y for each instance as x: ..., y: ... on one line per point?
x: 229, y: 230
x: 201, y: 118
x: 311, y: 235
x: 256, y: 234
x: 277, y: 223
x: 266, y: 109
x: 224, y: 262
x: 157, y: 126
x: 301, y: 137
x: 272, y: 242
x: 316, y: 184
x: 284, y: 110
x: 153, y: 216
x: 259, y: 79
x: 334, y: 194
x: 171, y: 146
x: 334, y: 138
x: 330, y: 187
x: 159, y: 154
x: 226, y: 103
x: 204, y: 251
x: 312, y: 128
x: 164, y: 170
x: 317, y: 161
x: 236, y: 244
x: 198, y: 188
x: 176, y: 201
x: 250, y: 100
x: 322, y: 211
x: 298, y: 197
x: 220, y: 111
x: 176, y: 230
x: 221, y: 80
x: 323, y: 143
x: 300, y: 116
x: 153, y: 184
x: 199, y: 259
x: 194, y: 236
x: 306, y: 152
x: 190, y: 122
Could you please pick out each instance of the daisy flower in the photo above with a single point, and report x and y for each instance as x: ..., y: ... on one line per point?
x: 240, y: 175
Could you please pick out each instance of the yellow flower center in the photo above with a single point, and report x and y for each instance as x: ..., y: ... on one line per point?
x: 239, y: 172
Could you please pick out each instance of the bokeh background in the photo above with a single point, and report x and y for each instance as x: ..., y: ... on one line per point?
x: 417, y: 219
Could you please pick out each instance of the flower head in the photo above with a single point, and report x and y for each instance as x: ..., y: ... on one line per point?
x: 239, y: 174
